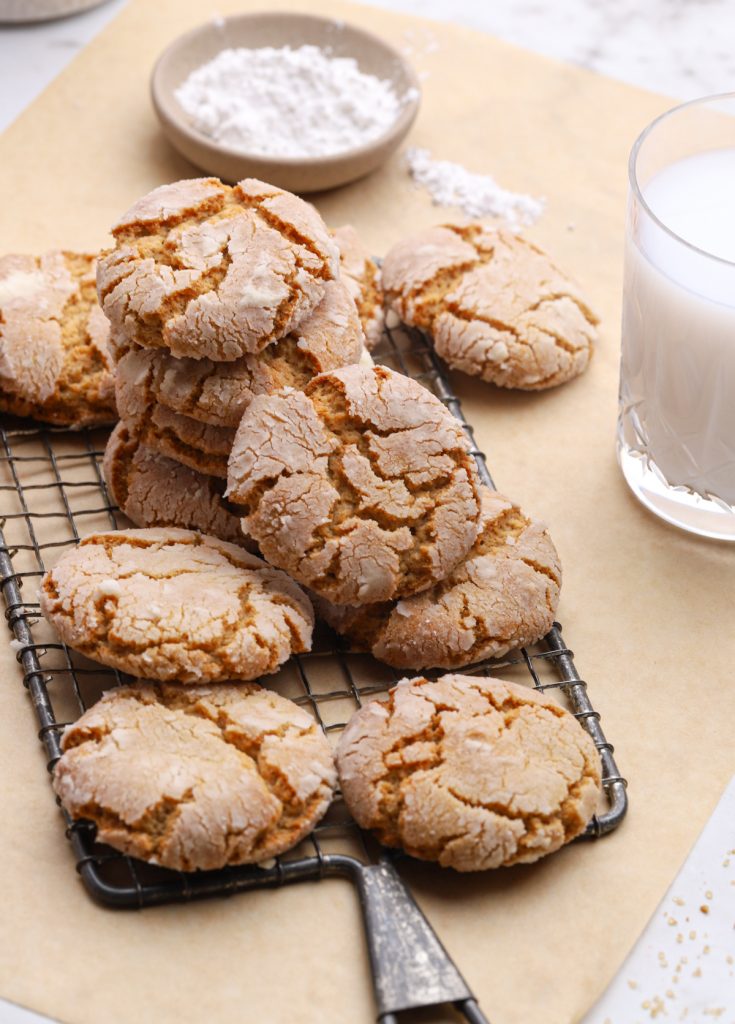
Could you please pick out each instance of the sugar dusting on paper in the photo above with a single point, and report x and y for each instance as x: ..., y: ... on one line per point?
x: 477, y: 195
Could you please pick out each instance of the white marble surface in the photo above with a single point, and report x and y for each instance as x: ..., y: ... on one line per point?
x: 679, y: 47
x: 683, y: 48
x: 11, y: 1013
x: 32, y: 55
x: 682, y: 968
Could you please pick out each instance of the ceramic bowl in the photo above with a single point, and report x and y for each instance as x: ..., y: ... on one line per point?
x: 43, y: 10
x: 297, y: 174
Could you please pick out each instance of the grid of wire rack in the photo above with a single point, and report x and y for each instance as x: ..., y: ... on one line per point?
x: 52, y: 492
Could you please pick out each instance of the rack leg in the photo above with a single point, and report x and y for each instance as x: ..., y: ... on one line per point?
x: 472, y: 1012
x: 469, y: 1010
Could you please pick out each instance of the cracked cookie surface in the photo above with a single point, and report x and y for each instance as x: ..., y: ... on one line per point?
x: 210, y: 271
x: 503, y: 595
x: 153, y: 490
x: 174, y: 604
x: 361, y: 486
x: 471, y: 772
x: 218, y: 393
x: 361, y: 274
x: 494, y: 304
x: 196, y: 777
x: 55, y: 363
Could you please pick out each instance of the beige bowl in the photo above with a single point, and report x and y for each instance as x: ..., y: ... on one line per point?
x: 297, y: 174
x: 43, y: 10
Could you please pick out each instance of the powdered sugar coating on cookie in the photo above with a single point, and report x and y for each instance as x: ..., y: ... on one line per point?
x: 196, y: 777
x: 361, y: 274
x: 504, y: 595
x: 361, y: 487
x: 175, y: 605
x: 153, y: 490
x: 218, y: 393
x: 55, y: 364
x: 210, y: 271
x: 474, y: 773
x: 494, y: 304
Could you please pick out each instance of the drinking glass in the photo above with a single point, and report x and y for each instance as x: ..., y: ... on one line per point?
x: 676, y: 424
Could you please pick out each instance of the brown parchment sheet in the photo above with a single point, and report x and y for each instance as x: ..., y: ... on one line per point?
x: 647, y: 609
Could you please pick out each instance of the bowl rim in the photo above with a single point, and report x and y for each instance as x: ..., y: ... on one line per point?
x: 406, y: 116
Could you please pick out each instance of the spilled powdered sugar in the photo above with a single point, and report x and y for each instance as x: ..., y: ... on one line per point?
x: 477, y: 195
x: 288, y: 102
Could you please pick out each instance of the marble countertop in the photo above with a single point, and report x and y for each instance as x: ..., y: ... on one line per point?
x: 677, y: 47
x: 681, y: 48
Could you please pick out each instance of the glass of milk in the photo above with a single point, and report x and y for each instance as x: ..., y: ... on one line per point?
x: 676, y: 426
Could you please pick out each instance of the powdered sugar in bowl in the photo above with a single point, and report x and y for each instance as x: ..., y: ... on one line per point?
x: 304, y: 102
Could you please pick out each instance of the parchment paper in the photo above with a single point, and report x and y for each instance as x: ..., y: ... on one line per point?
x: 647, y: 609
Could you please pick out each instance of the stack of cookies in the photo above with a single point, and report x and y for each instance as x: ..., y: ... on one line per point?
x: 251, y: 421
x: 214, y: 295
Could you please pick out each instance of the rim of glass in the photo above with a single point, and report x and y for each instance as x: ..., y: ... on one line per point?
x: 633, y: 180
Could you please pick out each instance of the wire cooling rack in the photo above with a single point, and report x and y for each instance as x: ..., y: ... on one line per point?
x: 51, y: 493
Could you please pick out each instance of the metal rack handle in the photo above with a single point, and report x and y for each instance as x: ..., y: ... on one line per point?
x: 411, y: 968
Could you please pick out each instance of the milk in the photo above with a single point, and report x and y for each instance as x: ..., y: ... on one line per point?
x: 678, y: 354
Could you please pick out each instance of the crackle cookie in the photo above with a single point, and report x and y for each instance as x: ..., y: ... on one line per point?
x: 502, y: 596
x: 361, y: 274
x: 206, y: 270
x: 153, y: 490
x: 360, y: 486
x: 55, y: 364
x: 200, y: 446
x: 494, y: 304
x: 219, y: 393
x: 471, y: 772
x: 173, y: 604
x: 196, y: 777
